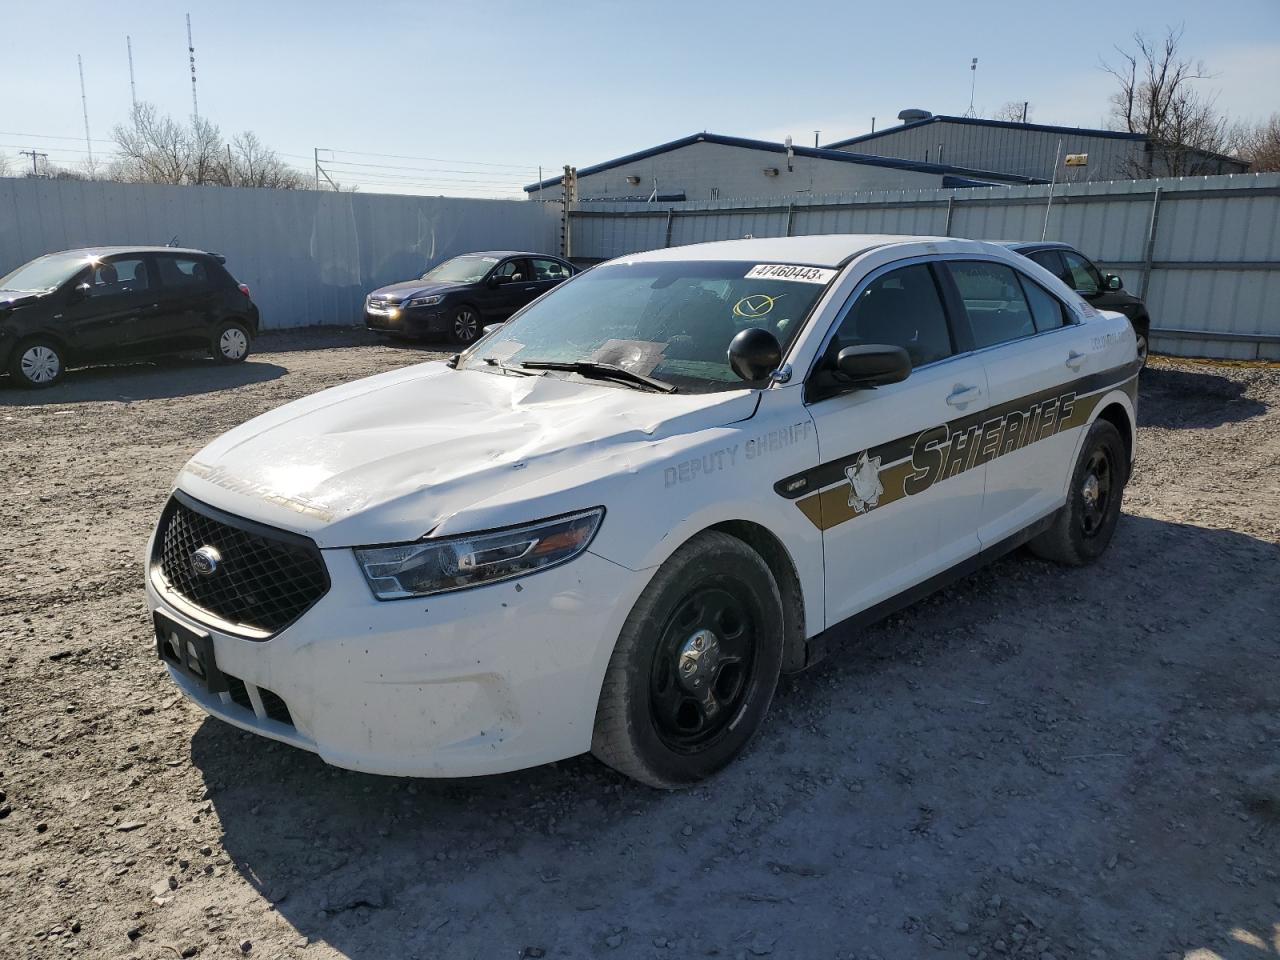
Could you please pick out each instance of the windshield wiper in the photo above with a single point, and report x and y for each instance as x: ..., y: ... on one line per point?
x: 505, y: 368
x: 602, y: 371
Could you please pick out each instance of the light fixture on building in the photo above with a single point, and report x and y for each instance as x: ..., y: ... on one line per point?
x: 770, y: 171
x: 633, y: 180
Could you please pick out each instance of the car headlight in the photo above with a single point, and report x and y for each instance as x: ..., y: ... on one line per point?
x: 424, y: 301
x: 455, y: 563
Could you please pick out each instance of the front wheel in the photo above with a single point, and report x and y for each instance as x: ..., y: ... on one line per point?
x: 1084, y: 526
x: 464, y: 326
x: 695, y: 667
x: 231, y: 343
x: 37, y: 364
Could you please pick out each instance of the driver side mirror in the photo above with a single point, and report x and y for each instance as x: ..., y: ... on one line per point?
x: 498, y: 280
x: 80, y: 292
x: 872, y: 365
x: 1111, y: 282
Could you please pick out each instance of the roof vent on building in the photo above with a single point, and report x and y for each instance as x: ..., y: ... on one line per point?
x: 913, y: 114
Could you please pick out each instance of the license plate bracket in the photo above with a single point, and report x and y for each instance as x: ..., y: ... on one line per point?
x: 194, y: 654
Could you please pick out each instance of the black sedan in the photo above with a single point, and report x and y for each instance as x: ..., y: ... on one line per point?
x: 1104, y: 290
x: 104, y: 304
x: 459, y: 297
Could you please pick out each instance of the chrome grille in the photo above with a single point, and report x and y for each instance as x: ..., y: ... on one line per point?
x: 265, y: 578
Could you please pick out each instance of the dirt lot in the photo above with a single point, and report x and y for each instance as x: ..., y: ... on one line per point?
x: 1037, y: 763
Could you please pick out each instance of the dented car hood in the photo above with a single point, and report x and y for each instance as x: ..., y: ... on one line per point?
x: 390, y: 458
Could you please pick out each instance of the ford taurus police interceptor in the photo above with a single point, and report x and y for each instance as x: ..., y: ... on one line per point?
x: 614, y: 521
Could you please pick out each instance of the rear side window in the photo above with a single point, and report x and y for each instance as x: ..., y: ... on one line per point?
x: 902, y: 308
x: 993, y: 299
x: 182, y: 271
x: 1046, y: 309
x: 1082, y: 276
x: 549, y: 270
x: 1051, y: 260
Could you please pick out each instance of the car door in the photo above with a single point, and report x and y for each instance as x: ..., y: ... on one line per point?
x: 503, y: 293
x: 105, y: 307
x: 186, y: 303
x: 1035, y: 356
x: 895, y: 502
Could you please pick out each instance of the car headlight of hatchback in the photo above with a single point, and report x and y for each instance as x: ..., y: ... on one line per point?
x: 424, y: 301
x: 455, y: 563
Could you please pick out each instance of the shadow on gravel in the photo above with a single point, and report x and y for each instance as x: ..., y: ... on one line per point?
x: 1039, y: 756
x: 162, y: 379
x: 304, y: 339
x: 1183, y: 398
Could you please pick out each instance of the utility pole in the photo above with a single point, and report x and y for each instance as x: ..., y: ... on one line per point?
x: 33, y: 154
x: 191, y: 55
x: 133, y: 87
x: 84, y: 104
x: 231, y: 181
x: 1025, y: 104
x: 316, y: 152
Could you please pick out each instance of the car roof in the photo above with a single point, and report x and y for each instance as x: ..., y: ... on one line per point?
x: 822, y: 250
x: 1019, y: 245
x: 111, y: 251
x: 509, y: 253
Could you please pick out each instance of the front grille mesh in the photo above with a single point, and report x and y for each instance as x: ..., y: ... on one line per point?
x: 265, y: 580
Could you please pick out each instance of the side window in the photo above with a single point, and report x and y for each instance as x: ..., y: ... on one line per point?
x: 549, y: 270
x: 1046, y: 310
x: 513, y: 269
x: 1051, y: 260
x: 993, y: 299
x: 118, y: 276
x: 1084, y: 276
x: 182, y: 272
x: 902, y: 308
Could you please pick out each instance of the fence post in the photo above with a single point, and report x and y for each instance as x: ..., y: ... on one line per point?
x: 670, y: 216
x: 951, y: 204
x: 791, y: 215
x: 1149, y: 255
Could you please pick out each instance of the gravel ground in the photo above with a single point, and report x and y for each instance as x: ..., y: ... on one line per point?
x: 1037, y: 762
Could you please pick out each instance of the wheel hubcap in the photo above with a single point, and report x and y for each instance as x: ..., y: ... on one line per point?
x: 702, y: 668
x: 1095, y: 492
x: 464, y: 325
x: 40, y: 364
x: 233, y: 343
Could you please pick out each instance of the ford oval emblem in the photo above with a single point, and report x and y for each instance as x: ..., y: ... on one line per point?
x: 206, y: 561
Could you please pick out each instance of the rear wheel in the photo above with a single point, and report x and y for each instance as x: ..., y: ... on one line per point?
x: 464, y: 326
x: 695, y: 667
x: 37, y: 363
x: 1083, y: 528
x: 231, y: 343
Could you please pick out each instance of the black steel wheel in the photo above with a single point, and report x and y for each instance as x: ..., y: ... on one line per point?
x: 1084, y: 526
x: 695, y: 667
x: 464, y: 325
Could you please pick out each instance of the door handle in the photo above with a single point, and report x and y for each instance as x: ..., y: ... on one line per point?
x: 529, y: 289
x: 1074, y: 360
x: 963, y: 395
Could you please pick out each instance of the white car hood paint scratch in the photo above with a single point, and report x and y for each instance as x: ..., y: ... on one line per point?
x: 388, y: 458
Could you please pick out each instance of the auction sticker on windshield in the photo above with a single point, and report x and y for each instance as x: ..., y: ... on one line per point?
x: 787, y: 271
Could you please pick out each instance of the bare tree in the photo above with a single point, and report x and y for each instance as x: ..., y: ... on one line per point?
x: 1259, y: 144
x: 155, y: 148
x: 4, y: 165
x: 1156, y: 95
x: 1012, y: 112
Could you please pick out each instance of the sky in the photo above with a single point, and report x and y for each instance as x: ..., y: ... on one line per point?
x: 471, y: 98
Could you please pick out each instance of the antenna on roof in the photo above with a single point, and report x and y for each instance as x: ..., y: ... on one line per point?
x: 790, y: 152
x: 133, y: 89
x: 973, y: 83
x: 191, y: 55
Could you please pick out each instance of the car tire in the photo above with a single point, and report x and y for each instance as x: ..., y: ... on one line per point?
x: 1084, y: 526
x: 38, y: 363
x: 695, y: 666
x: 232, y: 342
x: 464, y: 326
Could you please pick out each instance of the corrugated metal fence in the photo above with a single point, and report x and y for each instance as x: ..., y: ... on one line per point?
x: 1204, y: 251
x: 309, y: 256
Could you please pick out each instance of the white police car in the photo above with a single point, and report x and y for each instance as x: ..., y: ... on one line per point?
x: 613, y: 522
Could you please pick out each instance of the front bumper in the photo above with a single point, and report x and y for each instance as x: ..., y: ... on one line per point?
x: 481, y: 681
x: 410, y: 321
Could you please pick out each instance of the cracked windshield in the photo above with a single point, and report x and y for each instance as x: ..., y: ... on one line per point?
x: 669, y: 321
